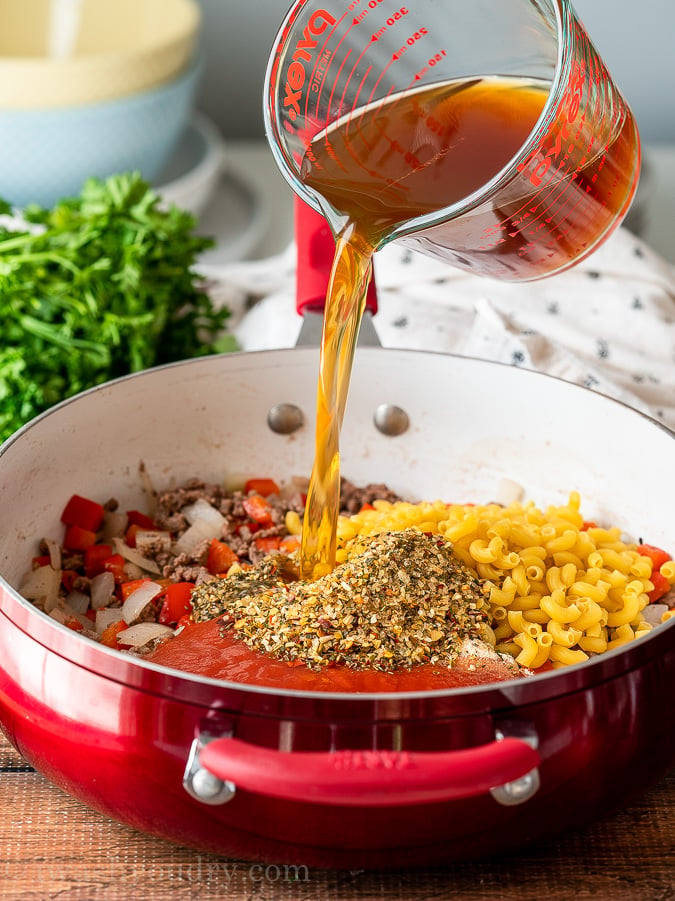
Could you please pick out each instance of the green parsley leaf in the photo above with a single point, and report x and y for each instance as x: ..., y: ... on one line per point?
x: 103, y: 287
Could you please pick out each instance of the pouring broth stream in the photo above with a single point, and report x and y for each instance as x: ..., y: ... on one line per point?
x: 416, y: 153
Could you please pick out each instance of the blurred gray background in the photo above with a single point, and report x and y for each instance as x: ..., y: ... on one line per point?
x: 636, y: 40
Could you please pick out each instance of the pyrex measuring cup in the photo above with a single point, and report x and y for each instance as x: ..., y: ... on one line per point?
x: 344, y: 75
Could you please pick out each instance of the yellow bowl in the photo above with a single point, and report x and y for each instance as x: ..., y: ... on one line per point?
x: 56, y: 53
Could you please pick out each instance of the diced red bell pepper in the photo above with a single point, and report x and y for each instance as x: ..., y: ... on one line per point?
x: 125, y: 588
x: 289, y: 544
x: 82, y: 512
x: 115, y: 564
x: 136, y: 518
x: 78, y: 539
x: 249, y: 524
x: 128, y: 587
x: 366, y: 507
x: 109, y: 636
x: 220, y: 557
x: 258, y: 509
x: 546, y: 667
x: 75, y: 625
x: 588, y: 524
x: 94, y: 557
x: 130, y: 534
x: 185, y: 621
x: 656, y: 554
x: 68, y: 577
x: 267, y: 544
x: 44, y: 560
x: 660, y: 589
x: 265, y: 487
x: 176, y: 603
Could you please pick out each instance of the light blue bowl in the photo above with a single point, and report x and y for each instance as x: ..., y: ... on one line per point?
x: 48, y: 154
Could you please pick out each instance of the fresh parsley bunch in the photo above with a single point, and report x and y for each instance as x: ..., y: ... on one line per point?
x: 102, y: 287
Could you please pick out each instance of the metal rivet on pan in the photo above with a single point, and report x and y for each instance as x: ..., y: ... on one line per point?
x: 284, y: 419
x: 200, y: 783
x: 391, y: 420
x: 210, y: 789
x: 517, y: 792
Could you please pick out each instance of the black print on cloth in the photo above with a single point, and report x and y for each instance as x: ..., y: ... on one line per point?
x: 400, y: 323
x: 638, y: 252
x: 517, y: 357
x: 603, y: 349
x: 594, y: 274
x: 553, y: 308
x: 590, y: 381
x: 407, y: 258
x: 637, y: 304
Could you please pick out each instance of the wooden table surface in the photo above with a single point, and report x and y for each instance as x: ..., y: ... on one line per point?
x: 52, y: 847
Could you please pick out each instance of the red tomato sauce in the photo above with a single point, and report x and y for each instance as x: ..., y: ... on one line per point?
x: 202, y: 649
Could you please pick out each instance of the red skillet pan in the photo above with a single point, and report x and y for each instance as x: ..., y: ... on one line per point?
x: 339, y: 780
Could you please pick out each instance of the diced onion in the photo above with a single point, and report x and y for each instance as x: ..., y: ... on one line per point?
x: 652, y: 613
x: 134, y: 556
x: 148, y: 489
x: 54, y: 549
x: 64, y: 614
x: 42, y: 585
x: 102, y: 587
x: 205, y: 523
x: 58, y: 615
x: 107, y: 617
x: 132, y: 572
x: 138, y: 600
x: 203, y: 511
x: 297, y: 485
x: 235, y: 481
x: 142, y: 633
x: 78, y: 601
x: 149, y: 538
x: 195, y: 534
x: 509, y: 492
x: 84, y: 621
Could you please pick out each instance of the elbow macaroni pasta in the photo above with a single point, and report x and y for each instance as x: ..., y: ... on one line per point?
x: 559, y: 589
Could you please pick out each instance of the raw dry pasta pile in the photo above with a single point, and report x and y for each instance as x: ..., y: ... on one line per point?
x: 561, y: 589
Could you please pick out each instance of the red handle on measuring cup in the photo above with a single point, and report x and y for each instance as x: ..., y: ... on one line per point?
x: 315, y: 252
x: 369, y: 778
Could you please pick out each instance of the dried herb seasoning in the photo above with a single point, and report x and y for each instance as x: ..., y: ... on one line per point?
x: 401, y: 599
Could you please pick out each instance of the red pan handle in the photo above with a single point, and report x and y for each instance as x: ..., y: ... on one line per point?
x: 315, y: 249
x: 369, y: 778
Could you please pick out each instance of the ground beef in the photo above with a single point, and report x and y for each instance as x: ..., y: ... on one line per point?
x: 237, y: 531
x: 353, y: 498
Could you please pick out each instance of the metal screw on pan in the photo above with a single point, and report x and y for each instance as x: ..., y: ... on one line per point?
x: 284, y: 419
x: 391, y: 420
x: 200, y: 783
x: 520, y: 790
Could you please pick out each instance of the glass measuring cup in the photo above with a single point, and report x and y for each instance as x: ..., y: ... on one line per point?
x: 546, y: 174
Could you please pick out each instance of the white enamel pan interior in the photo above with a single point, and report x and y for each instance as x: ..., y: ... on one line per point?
x: 472, y: 424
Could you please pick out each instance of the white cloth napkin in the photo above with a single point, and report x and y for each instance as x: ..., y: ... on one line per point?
x: 607, y: 324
